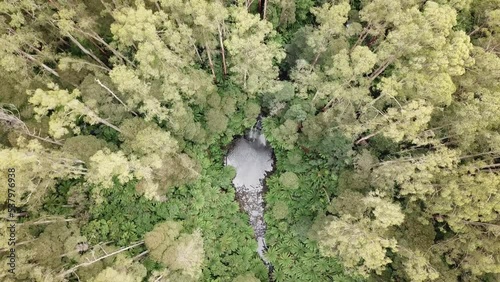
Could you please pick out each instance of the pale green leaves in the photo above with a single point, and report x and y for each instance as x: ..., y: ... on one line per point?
x: 418, y: 268
x: 359, y: 249
x: 178, y: 251
x: 141, y: 138
x: 46, y: 101
x: 134, y: 25
x: 331, y: 19
x: 127, y: 81
x: 65, y: 109
x: 414, y: 176
x: 335, y: 82
x: 442, y: 18
x: 123, y: 270
x: 106, y: 164
x: 386, y: 213
x: 359, y: 239
x: 362, y: 60
x: 252, y: 54
x: 349, y: 66
x: 407, y: 122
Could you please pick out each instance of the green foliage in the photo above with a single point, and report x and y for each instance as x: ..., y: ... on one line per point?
x: 289, y: 180
x: 216, y: 121
x: 282, y: 136
x: 54, y: 202
x: 249, y: 277
x: 101, y: 132
x: 293, y: 209
x: 229, y: 243
x: 183, y: 252
x: 123, y: 216
x: 383, y: 116
x: 83, y: 147
x: 328, y: 142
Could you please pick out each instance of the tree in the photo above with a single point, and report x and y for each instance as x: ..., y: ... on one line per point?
x: 99, y: 93
x: 207, y: 21
x: 470, y: 121
x: 123, y: 269
x: 418, y: 268
x: 331, y: 19
x: 216, y: 121
x: 108, y: 256
x: 286, y: 134
x: 421, y: 49
x: 150, y: 150
x: 65, y: 109
x: 104, y: 165
x: 466, y: 199
x: 178, y: 251
x: 289, y: 180
x: 145, y: 138
x: 359, y: 239
x: 24, y: 47
x: 37, y: 170
x: 82, y: 147
x: 281, y: 12
x: 252, y: 54
x: 414, y: 176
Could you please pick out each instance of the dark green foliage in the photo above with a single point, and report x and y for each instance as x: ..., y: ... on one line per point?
x: 102, y: 132
x: 55, y: 201
x: 295, y: 112
x: 381, y: 146
x: 208, y: 204
x: 330, y: 144
x: 123, y: 217
x: 290, y: 216
x: 297, y: 48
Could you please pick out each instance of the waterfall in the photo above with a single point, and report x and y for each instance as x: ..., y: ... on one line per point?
x: 255, y: 133
x: 252, y: 158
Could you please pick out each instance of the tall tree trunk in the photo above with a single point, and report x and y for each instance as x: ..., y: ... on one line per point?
x: 116, y: 97
x: 105, y: 122
x: 15, y: 123
x: 248, y: 4
x: 362, y: 36
x: 103, y: 42
x: 316, y: 58
x: 210, y: 62
x: 40, y: 222
x: 264, y: 10
x: 197, y: 53
x: 381, y: 69
x: 33, y: 59
x: 69, y: 271
x: 223, y: 51
x: 86, y: 51
x: 367, y: 137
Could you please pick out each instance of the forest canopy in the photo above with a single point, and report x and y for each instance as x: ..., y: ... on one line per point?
x: 116, y: 115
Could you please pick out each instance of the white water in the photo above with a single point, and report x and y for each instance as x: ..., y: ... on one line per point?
x: 252, y: 159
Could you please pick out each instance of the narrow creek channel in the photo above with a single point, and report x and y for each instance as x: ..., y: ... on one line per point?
x: 252, y: 157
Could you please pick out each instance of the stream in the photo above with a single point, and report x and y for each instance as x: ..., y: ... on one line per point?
x: 252, y: 157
